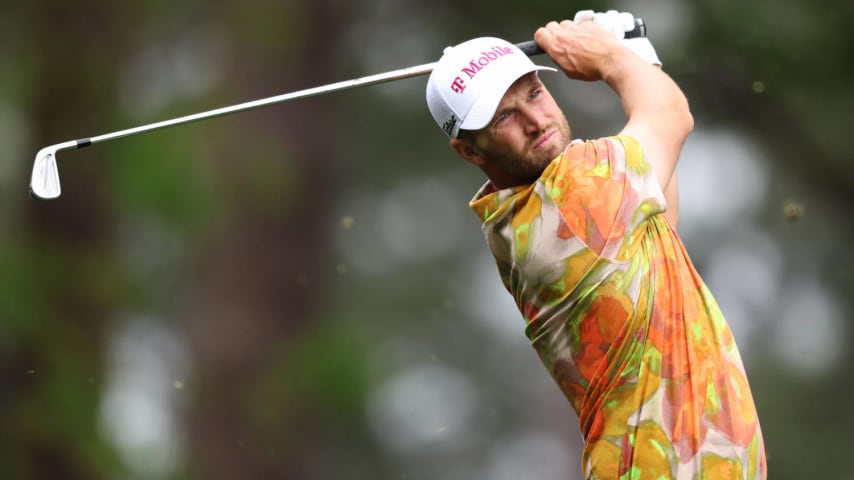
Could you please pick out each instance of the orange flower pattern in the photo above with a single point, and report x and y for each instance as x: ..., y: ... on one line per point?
x: 621, y: 319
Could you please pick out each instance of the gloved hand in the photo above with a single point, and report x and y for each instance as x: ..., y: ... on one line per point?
x: 618, y: 23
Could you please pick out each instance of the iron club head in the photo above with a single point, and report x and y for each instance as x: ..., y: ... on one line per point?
x: 44, y: 182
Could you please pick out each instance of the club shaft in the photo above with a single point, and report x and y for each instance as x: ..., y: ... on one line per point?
x: 241, y: 107
x: 530, y: 48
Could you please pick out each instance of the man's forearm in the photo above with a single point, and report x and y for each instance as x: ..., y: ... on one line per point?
x: 657, y: 110
x: 648, y: 94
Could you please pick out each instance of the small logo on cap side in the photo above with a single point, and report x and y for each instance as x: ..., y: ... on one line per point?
x: 448, y: 126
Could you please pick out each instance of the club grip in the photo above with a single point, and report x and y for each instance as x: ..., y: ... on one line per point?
x: 530, y: 48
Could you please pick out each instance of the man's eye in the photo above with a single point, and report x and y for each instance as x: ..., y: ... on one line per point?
x: 534, y: 94
x: 501, y: 117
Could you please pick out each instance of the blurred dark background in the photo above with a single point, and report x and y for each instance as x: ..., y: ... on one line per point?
x: 302, y: 292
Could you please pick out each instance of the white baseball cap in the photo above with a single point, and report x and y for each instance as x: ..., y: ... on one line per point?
x: 471, y: 78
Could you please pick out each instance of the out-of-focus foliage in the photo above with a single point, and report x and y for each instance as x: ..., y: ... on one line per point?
x: 301, y: 291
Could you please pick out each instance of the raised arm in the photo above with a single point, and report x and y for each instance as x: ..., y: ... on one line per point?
x: 656, y: 109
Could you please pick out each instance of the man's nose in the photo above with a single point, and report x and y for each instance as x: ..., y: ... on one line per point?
x: 534, y: 121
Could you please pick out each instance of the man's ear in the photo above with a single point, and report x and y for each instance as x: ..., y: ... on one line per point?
x: 468, y: 152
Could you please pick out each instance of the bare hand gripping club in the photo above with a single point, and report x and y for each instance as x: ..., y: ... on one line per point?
x: 44, y: 182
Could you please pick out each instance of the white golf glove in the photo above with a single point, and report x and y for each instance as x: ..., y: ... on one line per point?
x: 618, y: 23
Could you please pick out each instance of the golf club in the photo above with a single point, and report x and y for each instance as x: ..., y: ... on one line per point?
x: 44, y: 182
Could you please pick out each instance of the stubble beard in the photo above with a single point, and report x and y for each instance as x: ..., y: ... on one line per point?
x: 529, y: 167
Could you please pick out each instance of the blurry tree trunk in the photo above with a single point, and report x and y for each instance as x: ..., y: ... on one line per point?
x: 54, y: 368
x: 256, y: 282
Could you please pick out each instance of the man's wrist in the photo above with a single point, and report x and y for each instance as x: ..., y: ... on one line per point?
x: 620, y: 67
x: 642, y: 47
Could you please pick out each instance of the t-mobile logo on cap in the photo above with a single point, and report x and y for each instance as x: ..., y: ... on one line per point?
x: 477, y: 64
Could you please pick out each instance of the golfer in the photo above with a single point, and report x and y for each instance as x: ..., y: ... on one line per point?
x: 584, y: 236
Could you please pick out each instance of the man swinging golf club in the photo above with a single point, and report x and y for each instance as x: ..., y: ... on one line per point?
x: 584, y: 237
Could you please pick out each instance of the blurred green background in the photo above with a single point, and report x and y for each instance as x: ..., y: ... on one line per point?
x: 302, y: 292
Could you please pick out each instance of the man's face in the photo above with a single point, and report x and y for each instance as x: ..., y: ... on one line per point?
x: 527, y: 132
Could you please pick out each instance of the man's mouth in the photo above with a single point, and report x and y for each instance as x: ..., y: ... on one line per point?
x: 543, y: 140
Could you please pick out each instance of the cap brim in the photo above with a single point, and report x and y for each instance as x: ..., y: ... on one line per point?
x: 484, y: 107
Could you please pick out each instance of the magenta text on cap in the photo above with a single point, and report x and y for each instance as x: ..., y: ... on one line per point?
x: 476, y: 65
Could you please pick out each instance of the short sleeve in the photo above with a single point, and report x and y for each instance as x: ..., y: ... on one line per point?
x: 605, y: 190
